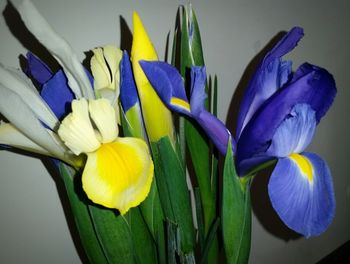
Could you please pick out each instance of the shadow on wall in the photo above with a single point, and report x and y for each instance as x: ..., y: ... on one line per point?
x: 261, y: 204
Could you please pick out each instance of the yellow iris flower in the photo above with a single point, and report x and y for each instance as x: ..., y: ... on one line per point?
x: 119, y: 171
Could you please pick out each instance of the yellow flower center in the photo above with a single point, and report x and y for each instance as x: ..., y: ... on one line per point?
x: 304, y: 164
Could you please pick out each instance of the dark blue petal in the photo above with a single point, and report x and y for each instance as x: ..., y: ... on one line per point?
x: 58, y: 95
x: 168, y: 83
x: 271, y: 74
x: 305, y: 205
x: 128, y: 92
x: 295, y: 133
x: 198, y: 94
x: 215, y: 130
x: 37, y: 69
x: 315, y: 87
x: 285, y: 45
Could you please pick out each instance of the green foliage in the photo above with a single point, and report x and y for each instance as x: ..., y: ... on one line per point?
x: 235, y: 213
x: 173, y: 192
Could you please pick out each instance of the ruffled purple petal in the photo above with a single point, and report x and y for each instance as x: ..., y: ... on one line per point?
x: 316, y: 87
x: 128, y: 91
x: 198, y: 94
x: 305, y: 205
x: 295, y: 133
x: 285, y: 45
x: 216, y: 131
x: 270, y: 75
x: 168, y: 83
x: 37, y: 69
x: 58, y: 95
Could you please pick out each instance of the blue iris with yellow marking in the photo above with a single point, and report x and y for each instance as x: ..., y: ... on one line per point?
x: 277, y: 119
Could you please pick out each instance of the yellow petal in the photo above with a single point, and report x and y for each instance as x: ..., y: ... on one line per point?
x: 76, y: 129
x: 119, y: 174
x: 105, y: 118
x: 157, y: 117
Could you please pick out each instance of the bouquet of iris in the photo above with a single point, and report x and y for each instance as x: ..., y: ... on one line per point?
x: 138, y: 145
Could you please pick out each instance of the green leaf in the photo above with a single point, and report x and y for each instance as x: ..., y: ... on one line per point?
x: 152, y: 213
x: 151, y: 209
x: 114, y: 234
x: 197, y: 141
x: 143, y: 242
x: 173, y: 191
x: 82, y: 218
x: 191, y: 47
x: 236, y: 213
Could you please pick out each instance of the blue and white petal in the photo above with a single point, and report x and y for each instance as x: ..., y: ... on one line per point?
x: 74, y: 70
x: 57, y: 94
x: 295, y: 132
x: 15, y: 82
x: 301, y: 192
x: 23, y: 118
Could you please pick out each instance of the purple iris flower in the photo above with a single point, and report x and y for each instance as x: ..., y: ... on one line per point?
x: 128, y: 90
x: 54, y: 86
x: 277, y: 120
x: 168, y: 83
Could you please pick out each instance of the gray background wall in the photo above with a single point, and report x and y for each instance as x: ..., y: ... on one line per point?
x: 33, y: 224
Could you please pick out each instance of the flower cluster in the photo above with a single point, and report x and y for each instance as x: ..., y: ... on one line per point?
x: 113, y: 124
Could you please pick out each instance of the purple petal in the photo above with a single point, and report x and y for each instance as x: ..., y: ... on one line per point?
x: 37, y: 69
x: 295, y: 133
x: 285, y: 45
x: 58, y: 95
x: 198, y: 94
x: 216, y: 131
x: 316, y: 87
x: 306, y: 205
x: 270, y: 75
x: 128, y: 91
x: 168, y: 84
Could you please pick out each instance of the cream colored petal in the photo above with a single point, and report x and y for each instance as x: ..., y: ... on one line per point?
x: 119, y: 174
x: 22, y: 117
x: 77, y: 78
x: 18, y: 84
x: 9, y: 135
x: 99, y: 70
x: 105, y: 118
x: 76, y: 129
x: 113, y: 56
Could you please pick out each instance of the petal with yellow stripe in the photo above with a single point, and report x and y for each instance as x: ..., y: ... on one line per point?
x: 119, y: 174
x: 301, y: 192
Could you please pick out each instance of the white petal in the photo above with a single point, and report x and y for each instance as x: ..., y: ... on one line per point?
x: 25, y: 89
x: 22, y: 117
x: 104, y: 117
x: 9, y: 135
x: 77, y: 78
x: 76, y: 129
